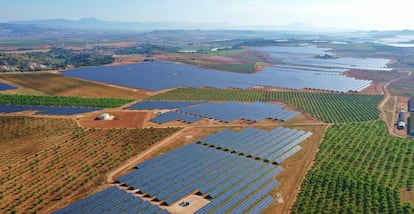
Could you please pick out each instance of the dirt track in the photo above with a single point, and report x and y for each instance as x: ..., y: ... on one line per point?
x: 139, y: 158
x: 383, y: 116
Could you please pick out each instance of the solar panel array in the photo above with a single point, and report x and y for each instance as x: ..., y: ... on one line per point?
x: 231, y: 111
x: 229, y: 179
x: 226, y: 112
x: 233, y: 183
x: 273, y: 146
x: 47, y: 110
x: 162, y: 104
x: 112, y: 200
x: 305, y: 56
x: 173, y: 115
x: 157, y: 76
x: 4, y: 87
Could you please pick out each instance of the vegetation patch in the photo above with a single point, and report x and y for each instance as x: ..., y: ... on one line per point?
x: 48, y: 163
x: 359, y: 169
x: 56, y: 58
x: 327, y: 107
x: 238, y: 68
x: 14, y: 99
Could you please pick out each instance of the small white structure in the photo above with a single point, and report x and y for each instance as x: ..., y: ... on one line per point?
x: 104, y: 116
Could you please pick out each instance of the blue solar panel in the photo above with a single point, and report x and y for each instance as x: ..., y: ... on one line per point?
x: 47, y: 110
x: 261, y: 205
x: 266, y: 145
x: 173, y: 115
x: 110, y: 200
x: 4, y: 87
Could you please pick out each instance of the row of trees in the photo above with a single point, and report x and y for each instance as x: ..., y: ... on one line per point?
x: 13, y: 99
x: 328, y: 107
x: 32, y: 182
x: 358, y: 170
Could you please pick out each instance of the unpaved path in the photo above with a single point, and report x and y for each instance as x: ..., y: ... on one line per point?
x: 387, y: 96
x: 134, y: 161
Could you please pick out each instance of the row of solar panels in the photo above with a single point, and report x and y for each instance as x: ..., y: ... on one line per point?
x: 173, y: 115
x: 305, y: 56
x: 231, y: 180
x: 227, y: 112
x: 273, y: 146
x: 4, y: 87
x: 161, y: 75
x: 163, y: 104
x: 47, y: 110
x: 112, y: 200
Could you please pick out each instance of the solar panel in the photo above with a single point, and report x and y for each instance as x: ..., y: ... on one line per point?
x: 4, y: 87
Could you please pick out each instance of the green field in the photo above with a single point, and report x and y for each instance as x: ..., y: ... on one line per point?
x: 327, y: 107
x: 12, y: 99
x: 359, y: 169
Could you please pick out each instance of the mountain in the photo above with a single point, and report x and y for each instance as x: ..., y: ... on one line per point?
x: 96, y: 24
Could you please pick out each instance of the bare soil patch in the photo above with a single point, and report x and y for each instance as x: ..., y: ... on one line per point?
x: 196, y: 203
x: 375, y: 88
x: 123, y: 119
x: 295, y: 170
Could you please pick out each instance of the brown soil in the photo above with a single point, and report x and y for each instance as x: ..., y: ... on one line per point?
x: 377, y: 76
x: 375, y: 88
x: 407, y: 196
x: 123, y: 119
x: 54, y: 84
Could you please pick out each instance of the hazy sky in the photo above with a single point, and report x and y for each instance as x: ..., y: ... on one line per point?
x: 350, y: 14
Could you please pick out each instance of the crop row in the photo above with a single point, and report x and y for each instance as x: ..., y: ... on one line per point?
x: 13, y: 99
x: 65, y: 164
x: 327, y: 107
x: 358, y: 169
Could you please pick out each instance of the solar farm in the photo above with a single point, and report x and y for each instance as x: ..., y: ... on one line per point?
x: 231, y: 178
x: 227, y: 112
x: 304, y: 56
x: 162, y: 75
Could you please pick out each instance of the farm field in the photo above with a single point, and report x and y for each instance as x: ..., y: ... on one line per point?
x: 13, y: 99
x: 58, y: 85
x: 359, y: 169
x: 40, y: 166
x: 327, y: 107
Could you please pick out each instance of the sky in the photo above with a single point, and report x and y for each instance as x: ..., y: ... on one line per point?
x: 346, y: 14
